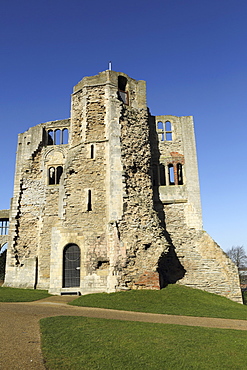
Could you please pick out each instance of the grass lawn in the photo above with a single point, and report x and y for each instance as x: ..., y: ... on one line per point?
x: 21, y: 295
x: 86, y: 343
x: 173, y: 300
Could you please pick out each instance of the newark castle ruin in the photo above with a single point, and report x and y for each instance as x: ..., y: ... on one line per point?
x: 109, y: 200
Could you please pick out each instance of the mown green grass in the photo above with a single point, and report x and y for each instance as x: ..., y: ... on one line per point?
x: 173, y: 300
x: 21, y: 295
x: 86, y: 343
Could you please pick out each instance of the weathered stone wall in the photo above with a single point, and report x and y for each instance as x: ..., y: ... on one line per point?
x: 32, y: 210
x: 134, y: 229
x: 207, y: 266
x: 139, y: 229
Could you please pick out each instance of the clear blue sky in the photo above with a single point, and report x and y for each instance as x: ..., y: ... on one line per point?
x: 193, y: 55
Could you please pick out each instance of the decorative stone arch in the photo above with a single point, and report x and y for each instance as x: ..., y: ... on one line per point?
x: 54, y: 156
x: 53, y: 165
x: 71, y: 265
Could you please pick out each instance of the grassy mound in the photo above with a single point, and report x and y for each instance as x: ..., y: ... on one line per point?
x: 86, y: 343
x: 21, y: 295
x: 173, y: 300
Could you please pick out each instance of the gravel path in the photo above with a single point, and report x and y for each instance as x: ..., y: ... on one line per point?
x: 20, y: 335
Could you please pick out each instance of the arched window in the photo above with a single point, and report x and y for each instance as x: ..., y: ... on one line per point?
x: 65, y: 136
x: 168, y: 131
x: 180, y: 174
x: 161, y: 131
x: 50, y: 139
x: 54, y: 174
x: 71, y: 266
x: 162, y: 175
x: 160, y: 125
x: 3, y: 248
x: 171, y: 174
x: 57, y: 137
x: 59, y: 172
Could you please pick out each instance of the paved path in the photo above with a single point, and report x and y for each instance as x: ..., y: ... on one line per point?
x: 20, y: 336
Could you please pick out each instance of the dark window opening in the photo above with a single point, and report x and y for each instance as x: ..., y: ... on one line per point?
x: 122, y: 93
x: 52, y: 176
x: 92, y: 152
x: 171, y: 174
x: 59, y: 172
x: 89, y: 200
x: 102, y: 265
x: 180, y: 174
x: 122, y: 82
x: 4, y: 226
x: 50, y: 137
x: 162, y: 175
x: 55, y: 175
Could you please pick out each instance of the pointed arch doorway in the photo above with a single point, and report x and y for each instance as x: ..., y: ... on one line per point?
x: 71, y: 266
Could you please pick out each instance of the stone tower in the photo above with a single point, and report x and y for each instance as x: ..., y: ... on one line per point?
x: 109, y: 199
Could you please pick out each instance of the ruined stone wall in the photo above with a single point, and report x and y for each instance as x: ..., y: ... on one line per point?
x: 135, y: 228
x: 207, y: 266
x: 32, y: 210
x: 139, y: 228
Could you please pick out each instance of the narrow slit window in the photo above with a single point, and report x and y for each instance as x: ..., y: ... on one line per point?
x: 171, y: 174
x: 92, y: 152
x: 162, y: 175
x: 89, y: 200
x: 180, y: 173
